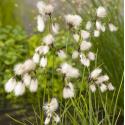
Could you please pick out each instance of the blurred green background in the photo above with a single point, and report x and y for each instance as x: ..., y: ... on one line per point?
x: 17, y: 24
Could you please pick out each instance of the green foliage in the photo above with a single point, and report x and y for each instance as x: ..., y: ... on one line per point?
x: 7, y: 13
x: 13, y: 49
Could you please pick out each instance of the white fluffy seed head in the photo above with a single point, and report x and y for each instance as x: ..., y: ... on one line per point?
x: 73, y: 72
x: 85, y: 61
x: 88, y: 25
x: 69, y: 19
x: 9, y: 86
x: 69, y: 71
x: 26, y: 79
x: 56, y: 118
x: 33, y: 85
x: 96, y: 33
x: 85, y: 34
x: 29, y: 65
x: 42, y: 50
x: 47, y: 120
x: 75, y: 54
x: 68, y: 91
x: 51, y: 107
x: 19, y: 89
x: 43, y: 62
x: 91, y: 56
x: 61, y: 54
x: 101, y: 12
x: 40, y: 23
x: 100, y: 26
x: 76, y: 37
x: 19, y: 69
x: 85, y: 46
x: 64, y: 68
x: 92, y: 88
x: 73, y: 20
x: 40, y: 6
x: 77, y: 20
x: 49, y: 9
x: 45, y: 9
x: 112, y: 27
x: 36, y: 58
x: 55, y: 28
x: 95, y: 73
x: 110, y: 87
x: 49, y: 39
x: 102, y: 79
x: 103, y: 88
x: 54, y: 104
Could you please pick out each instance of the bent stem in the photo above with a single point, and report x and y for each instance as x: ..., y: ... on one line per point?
x: 115, y: 107
x: 19, y: 122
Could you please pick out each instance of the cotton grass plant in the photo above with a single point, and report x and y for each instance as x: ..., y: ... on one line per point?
x: 85, y: 86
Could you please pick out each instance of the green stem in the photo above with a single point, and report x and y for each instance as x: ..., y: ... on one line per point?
x: 90, y: 108
x: 68, y: 33
x: 115, y: 107
x: 50, y: 22
x: 45, y: 76
x: 83, y: 74
x: 53, y: 65
x: 105, y: 109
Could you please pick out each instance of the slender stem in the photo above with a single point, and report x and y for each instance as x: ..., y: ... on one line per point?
x: 115, y: 107
x: 53, y: 65
x: 39, y: 107
x: 53, y: 56
x: 106, y: 112
x: 83, y: 73
x: 90, y: 108
x: 21, y: 123
x: 67, y: 41
x: 50, y: 22
x: 45, y: 74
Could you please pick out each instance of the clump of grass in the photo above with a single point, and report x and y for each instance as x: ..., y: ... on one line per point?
x: 85, y: 109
